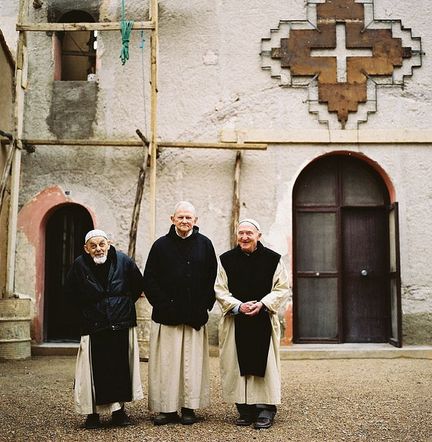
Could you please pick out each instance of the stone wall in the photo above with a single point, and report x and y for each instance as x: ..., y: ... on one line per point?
x: 211, y: 82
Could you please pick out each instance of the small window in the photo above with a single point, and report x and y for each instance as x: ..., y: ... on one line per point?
x: 75, y: 51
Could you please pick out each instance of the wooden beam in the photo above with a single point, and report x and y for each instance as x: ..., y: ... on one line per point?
x: 138, y: 198
x: 6, y: 172
x: 16, y: 161
x: 236, y: 199
x: 75, y: 27
x: 203, y: 145
x: 82, y: 142
x: 4, y: 142
x: 137, y: 143
x: 6, y: 135
x: 154, y: 44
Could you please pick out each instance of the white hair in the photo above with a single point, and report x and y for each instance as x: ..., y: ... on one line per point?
x: 184, y: 205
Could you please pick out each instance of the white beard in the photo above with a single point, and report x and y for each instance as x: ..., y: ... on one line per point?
x: 100, y: 259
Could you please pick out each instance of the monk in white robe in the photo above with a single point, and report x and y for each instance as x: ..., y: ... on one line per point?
x: 251, y: 286
x: 103, y: 284
x: 179, y: 284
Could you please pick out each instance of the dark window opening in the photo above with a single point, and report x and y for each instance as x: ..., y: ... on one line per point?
x: 75, y: 51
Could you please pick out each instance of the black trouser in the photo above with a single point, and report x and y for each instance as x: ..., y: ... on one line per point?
x: 257, y: 410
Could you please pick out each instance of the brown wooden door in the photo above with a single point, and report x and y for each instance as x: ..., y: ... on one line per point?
x: 395, y: 278
x: 342, y: 240
x: 65, y: 232
x: 365, y: 275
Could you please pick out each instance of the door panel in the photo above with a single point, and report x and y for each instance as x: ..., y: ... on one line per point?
x: 319, y: 184
x: 365, y: 270
x: 361, y: 186
x: 318, y: 308
x: 395, y: 282
x: 317, y: 250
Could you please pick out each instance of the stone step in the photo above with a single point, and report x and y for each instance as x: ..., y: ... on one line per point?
x: 291, y: 352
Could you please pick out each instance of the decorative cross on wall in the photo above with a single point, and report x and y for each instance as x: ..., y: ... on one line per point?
x: 342, y: 51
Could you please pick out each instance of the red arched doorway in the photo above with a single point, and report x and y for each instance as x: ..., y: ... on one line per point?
x: 346, y: 263
x: 64, y: 238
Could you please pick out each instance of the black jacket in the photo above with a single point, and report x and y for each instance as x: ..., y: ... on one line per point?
x: 101, y: 308
x: 179, y: 279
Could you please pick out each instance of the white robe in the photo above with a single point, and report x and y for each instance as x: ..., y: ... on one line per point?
x: 178, y: 368
x: 84, y: 387
x: 250, y: 389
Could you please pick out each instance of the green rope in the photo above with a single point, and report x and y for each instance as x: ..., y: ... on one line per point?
x: 126, y: 28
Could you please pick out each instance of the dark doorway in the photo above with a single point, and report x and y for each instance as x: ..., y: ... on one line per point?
x: 343, y: 272
x: 65, y: 231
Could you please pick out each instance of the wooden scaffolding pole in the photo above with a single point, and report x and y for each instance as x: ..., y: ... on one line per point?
x: 16, y: 161
x: 75, y: 27
x: 6, y: 170
x: 154, y: 17
x: 138, y: 198
x: 236, y: 199
x: 137, y: 143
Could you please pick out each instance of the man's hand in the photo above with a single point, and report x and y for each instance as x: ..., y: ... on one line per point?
x: 251, y: 308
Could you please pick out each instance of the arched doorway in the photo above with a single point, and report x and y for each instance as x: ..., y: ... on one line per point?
x: 346, y: 264
x: 64, y: 238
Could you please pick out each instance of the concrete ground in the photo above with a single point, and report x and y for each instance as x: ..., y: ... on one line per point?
x: 378, y: 399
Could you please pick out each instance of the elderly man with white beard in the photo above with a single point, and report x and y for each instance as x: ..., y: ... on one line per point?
x: 251, y: 285
x: 104, y: 285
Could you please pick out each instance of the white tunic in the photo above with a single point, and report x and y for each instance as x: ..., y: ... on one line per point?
x: 250, y: 389
x: 84, y: 387
x: 178, y: 368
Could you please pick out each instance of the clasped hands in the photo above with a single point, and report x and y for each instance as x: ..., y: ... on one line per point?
x: 251, y: 308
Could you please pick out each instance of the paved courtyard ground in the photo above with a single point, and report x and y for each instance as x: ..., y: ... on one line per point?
x: 323, y: 400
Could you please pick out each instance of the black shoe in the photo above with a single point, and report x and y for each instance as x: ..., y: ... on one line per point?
x: 188, y: 416
x: 120, y: 419
x: 92, y: 421
x: 166, y: 418
x: 263, y: 422
x: 244, y: 420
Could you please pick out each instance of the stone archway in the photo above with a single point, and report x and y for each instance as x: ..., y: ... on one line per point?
x: 30, y: 268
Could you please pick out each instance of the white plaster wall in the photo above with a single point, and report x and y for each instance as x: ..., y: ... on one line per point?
x: 209, y: 59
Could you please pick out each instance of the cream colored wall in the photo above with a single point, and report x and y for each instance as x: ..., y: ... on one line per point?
x: 210, y: 82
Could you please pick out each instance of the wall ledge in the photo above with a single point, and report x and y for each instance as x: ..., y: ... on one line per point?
x: 322, y: 136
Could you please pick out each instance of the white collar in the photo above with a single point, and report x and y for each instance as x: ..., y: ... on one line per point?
x: 184, y: 237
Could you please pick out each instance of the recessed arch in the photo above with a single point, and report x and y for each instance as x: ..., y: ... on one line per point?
x: 32, y: 219
x: 341, y: 250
